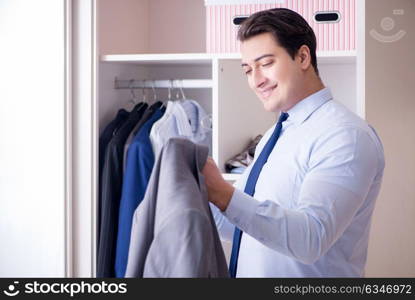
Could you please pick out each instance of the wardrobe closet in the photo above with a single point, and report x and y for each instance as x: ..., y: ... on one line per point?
x: 82, y: 59
x: 148, y: 68
x: 163, y: 40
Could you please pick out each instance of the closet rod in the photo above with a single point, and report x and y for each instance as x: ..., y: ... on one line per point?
x: 165, y: 84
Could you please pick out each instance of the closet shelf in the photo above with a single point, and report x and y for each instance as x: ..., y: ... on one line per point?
x: 206, y: 58
x: 152, y: 59
x: 230, y: 176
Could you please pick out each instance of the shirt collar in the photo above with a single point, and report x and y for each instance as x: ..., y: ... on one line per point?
x: 182, y: 123
x: 196, y: 115
x: 303, y: 109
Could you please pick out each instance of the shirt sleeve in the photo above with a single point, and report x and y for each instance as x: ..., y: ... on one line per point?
x: 226, y: 228
x: 342, y: 166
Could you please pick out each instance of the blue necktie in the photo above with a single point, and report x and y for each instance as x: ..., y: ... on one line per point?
x: 250, y: 187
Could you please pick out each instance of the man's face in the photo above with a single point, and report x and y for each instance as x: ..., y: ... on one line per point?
x: 272, y: 74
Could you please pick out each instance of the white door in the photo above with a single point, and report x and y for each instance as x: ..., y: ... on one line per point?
x: 32, y: 138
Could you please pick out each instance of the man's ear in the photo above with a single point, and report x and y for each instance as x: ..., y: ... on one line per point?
x: 304, y: 57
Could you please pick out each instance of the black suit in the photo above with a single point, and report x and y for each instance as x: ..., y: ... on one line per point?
x: 111, y: 193
x: 104, y: 139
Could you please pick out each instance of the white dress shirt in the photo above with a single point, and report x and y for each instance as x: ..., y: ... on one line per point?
x: 311, y: 212
x: 181, y: 119
x: 196, y: 115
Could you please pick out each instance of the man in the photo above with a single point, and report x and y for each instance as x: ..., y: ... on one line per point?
x: 303, y: 207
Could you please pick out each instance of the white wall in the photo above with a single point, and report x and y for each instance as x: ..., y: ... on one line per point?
x: 32, y: 186
x: 123, y: 26
x: 390, y: 108
x: 177, y: 26
x: 151, y: 26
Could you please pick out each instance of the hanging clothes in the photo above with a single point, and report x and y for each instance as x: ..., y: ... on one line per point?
x: 195, y: 115
x: 111, y: 193
x: 139, y: 164
x: 124, y: 181
x: 147, y: 115
x: 108, y: 133
x: 173, y: 232
x: 176, y: 122
x: 104, y: 139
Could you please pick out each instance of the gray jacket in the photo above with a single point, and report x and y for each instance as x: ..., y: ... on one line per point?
x: 173, y: 232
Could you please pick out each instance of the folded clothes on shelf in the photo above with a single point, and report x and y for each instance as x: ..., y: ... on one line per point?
x: 237, y: 170
x: 240, y: 161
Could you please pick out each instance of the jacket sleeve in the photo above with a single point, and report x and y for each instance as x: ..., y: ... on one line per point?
x: 187, y: 256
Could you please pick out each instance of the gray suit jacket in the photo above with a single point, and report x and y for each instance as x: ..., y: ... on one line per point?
x: 173, y: 232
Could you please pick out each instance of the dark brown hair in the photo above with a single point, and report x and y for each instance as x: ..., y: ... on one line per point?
x: 288, y: 28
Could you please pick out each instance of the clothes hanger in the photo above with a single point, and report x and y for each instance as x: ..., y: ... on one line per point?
x: 181, y: 90
x: 134, y: 100
x: 177, y: 91
x: 156, y: 103
x: 154, y: 91
x: 133, y: 96
x: 170, y: 87
x: 143, y: 91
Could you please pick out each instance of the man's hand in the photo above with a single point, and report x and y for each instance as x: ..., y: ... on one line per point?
x: 219, y: 191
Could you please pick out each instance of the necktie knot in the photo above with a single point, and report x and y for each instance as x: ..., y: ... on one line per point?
x: 283, y: 117
x: 275, y: 135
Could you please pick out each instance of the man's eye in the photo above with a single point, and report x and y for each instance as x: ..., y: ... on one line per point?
x: 247, y: 72
x: 267, y: 64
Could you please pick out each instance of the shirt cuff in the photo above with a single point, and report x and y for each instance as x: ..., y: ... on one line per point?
x: 241, y: 209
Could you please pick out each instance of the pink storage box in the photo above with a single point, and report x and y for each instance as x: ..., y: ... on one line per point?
x: 331, y: 36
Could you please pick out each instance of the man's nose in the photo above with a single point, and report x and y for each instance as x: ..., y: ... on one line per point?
x: 258, y: 78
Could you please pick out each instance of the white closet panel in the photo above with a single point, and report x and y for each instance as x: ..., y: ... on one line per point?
x: 32, y: 138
